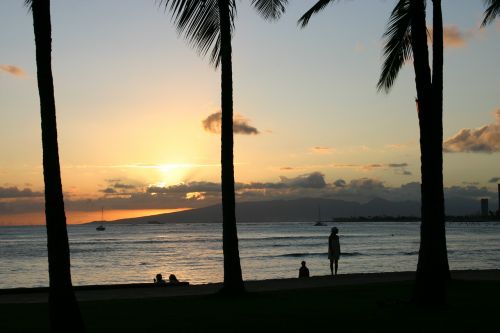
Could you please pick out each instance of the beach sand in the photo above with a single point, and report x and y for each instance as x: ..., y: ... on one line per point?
x: 144, y: 291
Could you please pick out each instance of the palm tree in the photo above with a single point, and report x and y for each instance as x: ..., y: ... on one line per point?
x: 318, y: 6
x: 64, y: 312
x: 492, y: 11
x: 406, y: 37
x: 208, y: 25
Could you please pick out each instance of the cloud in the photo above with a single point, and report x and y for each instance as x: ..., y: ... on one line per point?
x: 396, y: 146
x: 312, y: 180
x: 453, y: 37
x: 195, y: 196
x: 339, y: 183
x: 240, y: 124
x: 322, y: 150
x: 124, y: 186
x: 397, y: 165
x: 372, y: 166
x: 494, y: 180
x: 399, y: 168
x: 118, y: 187
x: 471, y: 183
x: 366, y: 184
x: 213, y: 122
x: 14, y: 192
x: 362, y: 167
x: 185, y: 188
x: 469, y: 192
x: 12, y: 70
x: 287, y: 168
x: 485, y: 139
x: 204, y: 193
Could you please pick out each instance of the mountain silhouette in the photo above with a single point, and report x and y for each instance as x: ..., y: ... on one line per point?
x: 297, y: 210
x: 305, y: 210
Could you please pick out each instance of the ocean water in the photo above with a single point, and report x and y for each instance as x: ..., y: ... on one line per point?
x: 136, y: 253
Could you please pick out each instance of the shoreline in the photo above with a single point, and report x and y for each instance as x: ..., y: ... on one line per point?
x: 149, y: 290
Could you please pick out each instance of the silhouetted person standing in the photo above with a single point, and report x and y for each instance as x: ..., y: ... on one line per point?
x: 334, y: 249
x: 303, y: 270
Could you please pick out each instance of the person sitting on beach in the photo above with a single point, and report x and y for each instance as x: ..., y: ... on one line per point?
x: 173, y: 279
x: 334, y: 249
x: 303, y: 270
x: 159, y: 280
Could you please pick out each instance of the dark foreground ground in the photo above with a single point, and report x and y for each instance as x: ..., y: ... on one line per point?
x: 340, y: 307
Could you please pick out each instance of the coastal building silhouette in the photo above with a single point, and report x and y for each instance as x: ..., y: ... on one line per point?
x: 484, y: 207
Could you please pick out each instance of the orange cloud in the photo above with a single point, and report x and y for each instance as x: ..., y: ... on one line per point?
x: 485, y: 139
x: 12, y: 70
x: 453, y: 37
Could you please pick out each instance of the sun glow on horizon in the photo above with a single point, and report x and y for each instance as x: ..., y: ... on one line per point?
x: 173, y: 173
x: 81, y: 217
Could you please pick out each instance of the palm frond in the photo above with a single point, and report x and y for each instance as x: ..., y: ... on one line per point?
x: 270, y: 9
x: 318, y: 6
x: 397, y: 46
x: 198, y: 22
x: 492, y: 11
x: 29, y: 4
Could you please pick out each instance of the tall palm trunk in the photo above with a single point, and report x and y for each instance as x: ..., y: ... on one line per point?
x: 432, y: 261
x: 440, y: 251
x: 233, y: 281
x: 64, y: 313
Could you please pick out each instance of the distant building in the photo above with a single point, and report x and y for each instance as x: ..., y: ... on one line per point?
x: 484, y: 207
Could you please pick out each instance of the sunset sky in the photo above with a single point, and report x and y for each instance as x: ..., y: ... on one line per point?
x: 137, y: 109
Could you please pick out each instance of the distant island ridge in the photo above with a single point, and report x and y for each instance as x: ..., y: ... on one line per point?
x: 306, y: 210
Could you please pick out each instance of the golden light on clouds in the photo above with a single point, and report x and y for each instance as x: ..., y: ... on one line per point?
x: 195, y: 196
x: 79, y: 217
x: 171, y: 173
x: 174, y: 173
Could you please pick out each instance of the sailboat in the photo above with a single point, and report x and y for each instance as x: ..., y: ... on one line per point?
x: 319, y: 223
x: 101, y: 227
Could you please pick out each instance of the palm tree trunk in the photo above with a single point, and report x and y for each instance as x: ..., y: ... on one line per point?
x: 233, y: 281
x: 439, y: 231
x: 430, y: 282
x: 64, y: 313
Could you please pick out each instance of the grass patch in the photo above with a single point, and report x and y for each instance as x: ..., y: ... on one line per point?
x: 473, y: 307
